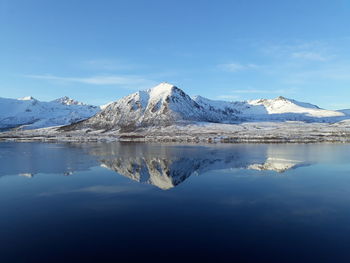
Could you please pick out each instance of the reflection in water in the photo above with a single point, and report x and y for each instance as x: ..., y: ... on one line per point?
x: 232, y: 215
x: 164, y: 166
x: 276, y: 164
x: 28, y: 159
x: 28, y: 175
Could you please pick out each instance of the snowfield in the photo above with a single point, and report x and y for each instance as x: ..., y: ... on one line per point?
x: 29, y: 113
x: 250, y: 132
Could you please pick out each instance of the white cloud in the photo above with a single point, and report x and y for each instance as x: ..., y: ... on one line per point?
x: 314, y: 51
x: 127, y: 81
x: 106, y: 64
x: 308, y: 55
x: 235, y: 67
x: 228, y: 97
x: 261, y: 91
x: 329, y: 72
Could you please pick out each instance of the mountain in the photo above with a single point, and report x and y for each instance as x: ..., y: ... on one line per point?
x: 102, y: 107
x: 29, y: 113
x: 280, y: 108
x: 282, y: 105
x: 67, y: 101
x: 166, y: 105
x: 162, y: 105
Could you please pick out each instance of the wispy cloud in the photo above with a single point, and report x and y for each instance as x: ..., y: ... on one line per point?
x: 330, y: 72
x: 309, y: 55
x: 312, y: 51
x: 106, y: 64
x: 233, y: 94
x: 262, y: 91
x: 126, y: 81
x: 227, y: 97
x: 235, y: 67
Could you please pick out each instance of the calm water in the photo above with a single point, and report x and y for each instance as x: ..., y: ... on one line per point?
x: 161, y: 203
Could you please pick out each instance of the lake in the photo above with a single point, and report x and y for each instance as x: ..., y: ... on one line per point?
x: 129, y: 202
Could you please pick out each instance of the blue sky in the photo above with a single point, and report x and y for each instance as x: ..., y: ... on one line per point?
x: 99, y: 51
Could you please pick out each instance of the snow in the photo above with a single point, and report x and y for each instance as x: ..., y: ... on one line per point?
x: 272, y: 109
x: 29, y: 113
x: 67, y: 101
x: 282, y: 105
x: 104, y: 106
x: 160, y: 91
x: 165, y: 112
x: 162, y: 105
x: 27, y: 98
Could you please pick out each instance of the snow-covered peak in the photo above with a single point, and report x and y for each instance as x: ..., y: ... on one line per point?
x: 162, y: 105
x: 163, y: 91
x: 104, y: 106
x: 67, y: 101
x: 27, y: 98
x: 162, y: 88
x: 29, y: 113
x: 281, y: 101
x: 282, y: 105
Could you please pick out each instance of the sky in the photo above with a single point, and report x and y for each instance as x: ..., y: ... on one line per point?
x: 97, y: 51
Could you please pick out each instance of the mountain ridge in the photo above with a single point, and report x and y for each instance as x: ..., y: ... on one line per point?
x: 166, y: 104
x: 30, y: 113
x: 160, y: 106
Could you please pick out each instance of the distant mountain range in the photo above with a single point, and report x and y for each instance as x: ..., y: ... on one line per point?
x: 162, y: 105
x: 166, y: 105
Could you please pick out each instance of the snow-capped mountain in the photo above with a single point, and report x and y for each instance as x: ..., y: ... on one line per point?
x: 29, y: 113
x: 278, y: 109
x: 67, y: 101
x: 166, y: 105
x: 162, y: 105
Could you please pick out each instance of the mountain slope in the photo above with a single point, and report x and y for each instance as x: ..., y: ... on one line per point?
x: 281, y: 105
x: 162, y: 105
x: 29, y: 113
x: 278, y: 109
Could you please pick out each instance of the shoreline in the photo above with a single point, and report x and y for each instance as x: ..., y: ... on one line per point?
x: 287, y: 132
x: 189, y: 140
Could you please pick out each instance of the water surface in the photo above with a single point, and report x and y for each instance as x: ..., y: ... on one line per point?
x: 110, y: 202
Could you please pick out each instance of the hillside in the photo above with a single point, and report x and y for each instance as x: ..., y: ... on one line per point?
x: 29, y: 113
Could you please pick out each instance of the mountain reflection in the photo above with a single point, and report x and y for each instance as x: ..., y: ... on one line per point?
x: 164, y: 166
